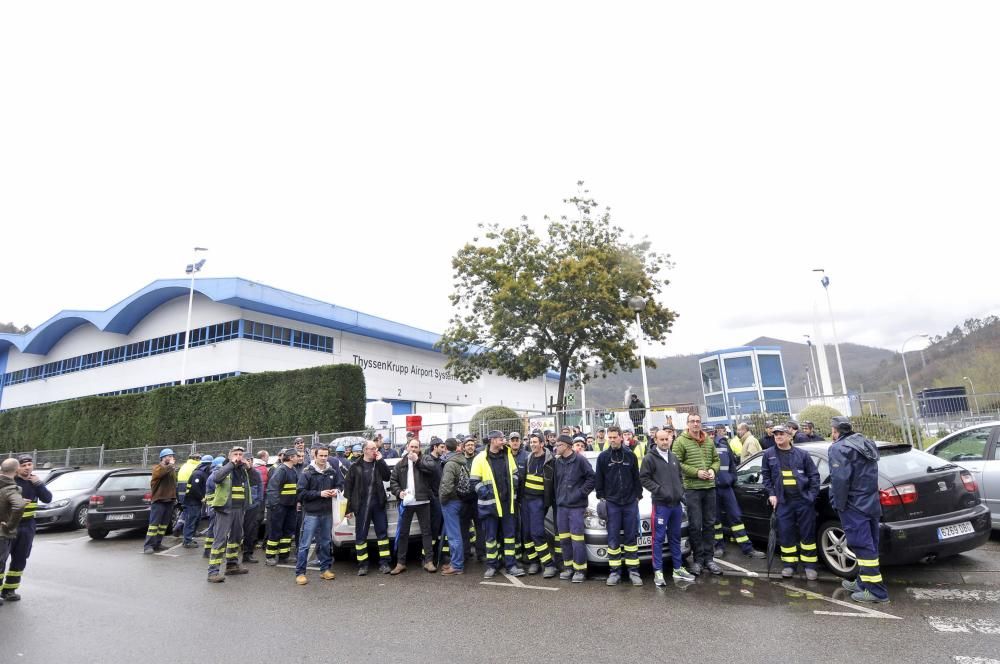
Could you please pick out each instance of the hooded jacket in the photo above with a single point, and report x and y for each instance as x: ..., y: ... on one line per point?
x: 662, y: 478
x: 311, y: 482
x: 11, y: 507
x: 454, y: 466
x: 854, y: 475
x: 574, y: 480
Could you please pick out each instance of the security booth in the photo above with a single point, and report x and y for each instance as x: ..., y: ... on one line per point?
x: 743, y: 380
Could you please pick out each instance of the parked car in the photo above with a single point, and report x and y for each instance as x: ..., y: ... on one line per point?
x: 977, y: 449
x: 49, y: 474
x: 930, y: 509
x: 71, y: 493
x: 595, y: 531
x: 121, y: 502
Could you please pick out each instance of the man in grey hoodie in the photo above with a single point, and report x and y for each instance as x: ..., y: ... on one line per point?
x: 11, y: 508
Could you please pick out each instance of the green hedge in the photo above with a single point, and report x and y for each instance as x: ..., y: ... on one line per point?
x: 278, y: 403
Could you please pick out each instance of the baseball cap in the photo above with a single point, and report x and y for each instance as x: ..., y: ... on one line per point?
x: 496, y: 433
x: 25, y: 458
x: 781, y: 428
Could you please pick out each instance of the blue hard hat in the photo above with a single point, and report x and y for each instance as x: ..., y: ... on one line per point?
x: 218, y: 461
x: 207, y: 458
x: 341, y: 448
x: 165, y: 452
x: 356, y: 448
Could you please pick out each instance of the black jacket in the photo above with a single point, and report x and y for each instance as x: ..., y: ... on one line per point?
x: 548, y: 471
x: 311, y: 482
x: 282, y: 486
x: 662, y: 478
x: 359, y: 492
x: 422, y: 477
x: 436, y: 467
x: 196, y: 484
x: 574, y: 480
x: 617, y: 476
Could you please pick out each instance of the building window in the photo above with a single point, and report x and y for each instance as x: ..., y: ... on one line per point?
x: 770, y: 370
x: 711, y: 378
x: 739, y: 372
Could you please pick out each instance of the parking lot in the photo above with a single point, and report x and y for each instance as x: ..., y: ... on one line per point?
x: 103, y: 601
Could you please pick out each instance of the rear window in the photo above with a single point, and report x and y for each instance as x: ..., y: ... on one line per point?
x: 904, y: 460
x: 75, y: 481
x: 126, y: 482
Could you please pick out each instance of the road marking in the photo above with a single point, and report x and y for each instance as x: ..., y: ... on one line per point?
x: 315, y: 569
x: 975, y: 660
x: 955, y: 594
x: 736, y: 567
x: 514, y: 583
x: 964, y: 625
x: 167, y: 552
x: 857, y: 611
x: 70, y: 541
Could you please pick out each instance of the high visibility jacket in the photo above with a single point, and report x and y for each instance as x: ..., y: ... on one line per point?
x: 802, y: 473
x: 183, y: 475
x: 226, y: 489
x: 600, y: 445
x: 482, y: 473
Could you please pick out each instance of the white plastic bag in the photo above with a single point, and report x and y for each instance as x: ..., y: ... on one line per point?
x: 410, y: 496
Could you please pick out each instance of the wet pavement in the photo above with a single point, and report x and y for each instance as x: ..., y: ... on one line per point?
x: 104, y: 601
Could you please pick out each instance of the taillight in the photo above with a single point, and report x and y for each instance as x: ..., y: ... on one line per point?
x: 903, y: 494
x: 970, y: 484
x: 148, y: 498
x: 96, y: 501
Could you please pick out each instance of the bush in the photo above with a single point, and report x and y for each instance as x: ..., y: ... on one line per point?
x: 495, y: 417
x: 758, y: 422
x: 820, y: 416
x: 278, y: 403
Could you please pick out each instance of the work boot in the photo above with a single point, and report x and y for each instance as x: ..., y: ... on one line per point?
x: 566, y: 574
x: 190, y: 545
x: 10, y: 595
x: 578, y: 577
x: 301, y: 579
x: 233, y: 570
x: 270, y: 562
x: 720, y: 552
x: 327, y: 575
x: 216, y: 578
x: 362, y: 570
x: 755, y: 554
x: 549, y: 572
x: 158, y: 548
x: 429, y: 566
x: 248, y: 558
x: 867, y: 596
x: 787, y: 572
x: 850, y: 585
x: 489, y: 573
x: 384, y: 568
x: 696, y: 569
x: 614, y: 578
x: 204, y: 554
x: 658, y: 579
x: 534, y: 568
x: 398, y: 569
x: 714, y: 568
x: 148, y: 550
x: 811, y: 574
x: 516, y: 571
x: 635, y: 578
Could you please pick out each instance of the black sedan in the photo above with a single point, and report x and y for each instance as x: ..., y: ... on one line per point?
x: 121, y: 502
x: 930, y: 509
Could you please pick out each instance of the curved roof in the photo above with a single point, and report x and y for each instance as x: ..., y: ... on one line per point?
x: 124, y: 316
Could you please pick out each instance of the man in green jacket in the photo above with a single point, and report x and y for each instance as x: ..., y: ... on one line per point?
x: 699, y: 460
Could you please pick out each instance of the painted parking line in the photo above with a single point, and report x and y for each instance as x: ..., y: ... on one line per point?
x: 954, y: 594
x: 736, y: 568
x: 315, y: 569
x: 975, y: 660
x: 167, y: 552
x: 964, y: 625
x: 68, y: 541
x: 514, y: 583
x: 857, y: 610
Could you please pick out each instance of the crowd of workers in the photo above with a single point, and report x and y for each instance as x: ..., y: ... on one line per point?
x: 488, y: 502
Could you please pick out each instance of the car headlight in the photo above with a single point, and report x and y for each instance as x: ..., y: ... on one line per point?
x: 56, y: 505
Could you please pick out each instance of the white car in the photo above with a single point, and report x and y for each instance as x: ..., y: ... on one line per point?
x: 977, y: 449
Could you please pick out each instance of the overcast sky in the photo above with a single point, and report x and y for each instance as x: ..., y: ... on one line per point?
x: 345, y: 151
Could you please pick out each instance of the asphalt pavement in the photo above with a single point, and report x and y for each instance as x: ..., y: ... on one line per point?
x: 104, y: 601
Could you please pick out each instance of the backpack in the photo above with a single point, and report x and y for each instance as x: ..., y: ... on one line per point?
x: 463, y: 486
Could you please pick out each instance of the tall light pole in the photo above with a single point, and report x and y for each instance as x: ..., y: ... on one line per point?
x: 809, y: 345
x: 194, y: 267
x: 637, y: 304
x: 909, y: 387
x: 836, y: 343
x: 975, y: 398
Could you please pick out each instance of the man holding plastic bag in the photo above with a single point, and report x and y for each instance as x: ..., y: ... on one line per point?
x: 410, y: 482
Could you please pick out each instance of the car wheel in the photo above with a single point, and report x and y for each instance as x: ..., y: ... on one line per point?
x: 97, y: 534
x: 80, y: 517
x: 834, y: 552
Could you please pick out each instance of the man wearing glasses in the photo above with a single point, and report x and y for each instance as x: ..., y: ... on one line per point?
x: 573, y: 480
x: 699, y: 461
x: 231, y: 497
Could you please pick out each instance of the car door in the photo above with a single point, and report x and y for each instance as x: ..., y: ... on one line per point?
x: 752, y: 498
x: 974, y: 450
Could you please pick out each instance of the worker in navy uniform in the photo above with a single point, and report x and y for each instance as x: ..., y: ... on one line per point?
x: 493, y: 477
x: 282, y: 497
x: 364, y: 488
x: 854, y: 494
x: 34, y: 492
x: 797, y: 436
x: 792, y: 482
x: 616, y: 482
x: 535, y: 493
x: 726, y: 507
x: 767, y: 440
x: 809, y: 431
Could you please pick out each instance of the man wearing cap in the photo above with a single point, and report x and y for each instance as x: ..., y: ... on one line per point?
x: 282, y: 496
x: 573, y: 480
x: 470, y: 509
x: 792, y: 482
x: 617, y: 483
x: 12, y: 505
x: 365, y: 492
x: 809, y: 431
x: 494, y: 478
x: 163, y: 494
x: 386, y: 450
x: 699, y: 460
x: 767, y: 440
x: 209, y: 495
x: 854, y: 494
x: 600, y: 442
x: 193, y: 498
x: 229, y: 498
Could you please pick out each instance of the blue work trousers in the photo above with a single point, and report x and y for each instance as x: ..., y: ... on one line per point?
x: 797, y: 532
x: 495, y: 528
x: 536, y: 545
x: 623, y: 519
x: 569, y: 524
x: 667, y: 527
x: 862, y: 537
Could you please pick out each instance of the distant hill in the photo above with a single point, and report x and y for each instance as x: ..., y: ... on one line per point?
x: 677, y: 379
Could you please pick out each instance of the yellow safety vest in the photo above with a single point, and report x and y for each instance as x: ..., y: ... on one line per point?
x: 482, y: 470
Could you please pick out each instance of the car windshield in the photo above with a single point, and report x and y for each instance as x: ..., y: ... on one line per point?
x: 82, y: 479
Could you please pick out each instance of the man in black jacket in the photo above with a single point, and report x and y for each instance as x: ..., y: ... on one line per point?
x: 318, y: 486
x: 282, y: 499
x: 536, y: 497
x: 660, y: 474
x: 573, y: 480
x: 415, y: 498
x: 365, y: 491
x: 617, y: 483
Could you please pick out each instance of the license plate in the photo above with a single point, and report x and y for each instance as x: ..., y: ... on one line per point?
x: 120, y: 517
x: 645, y: 540
x: 954, y: 530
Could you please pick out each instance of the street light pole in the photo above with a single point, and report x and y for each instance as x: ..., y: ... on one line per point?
x: 191, y: 269
x: 836, y: 343
x: 637, y: 304
x: 909, y: 387
x: 812, y: 358
x: 975, y: 398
